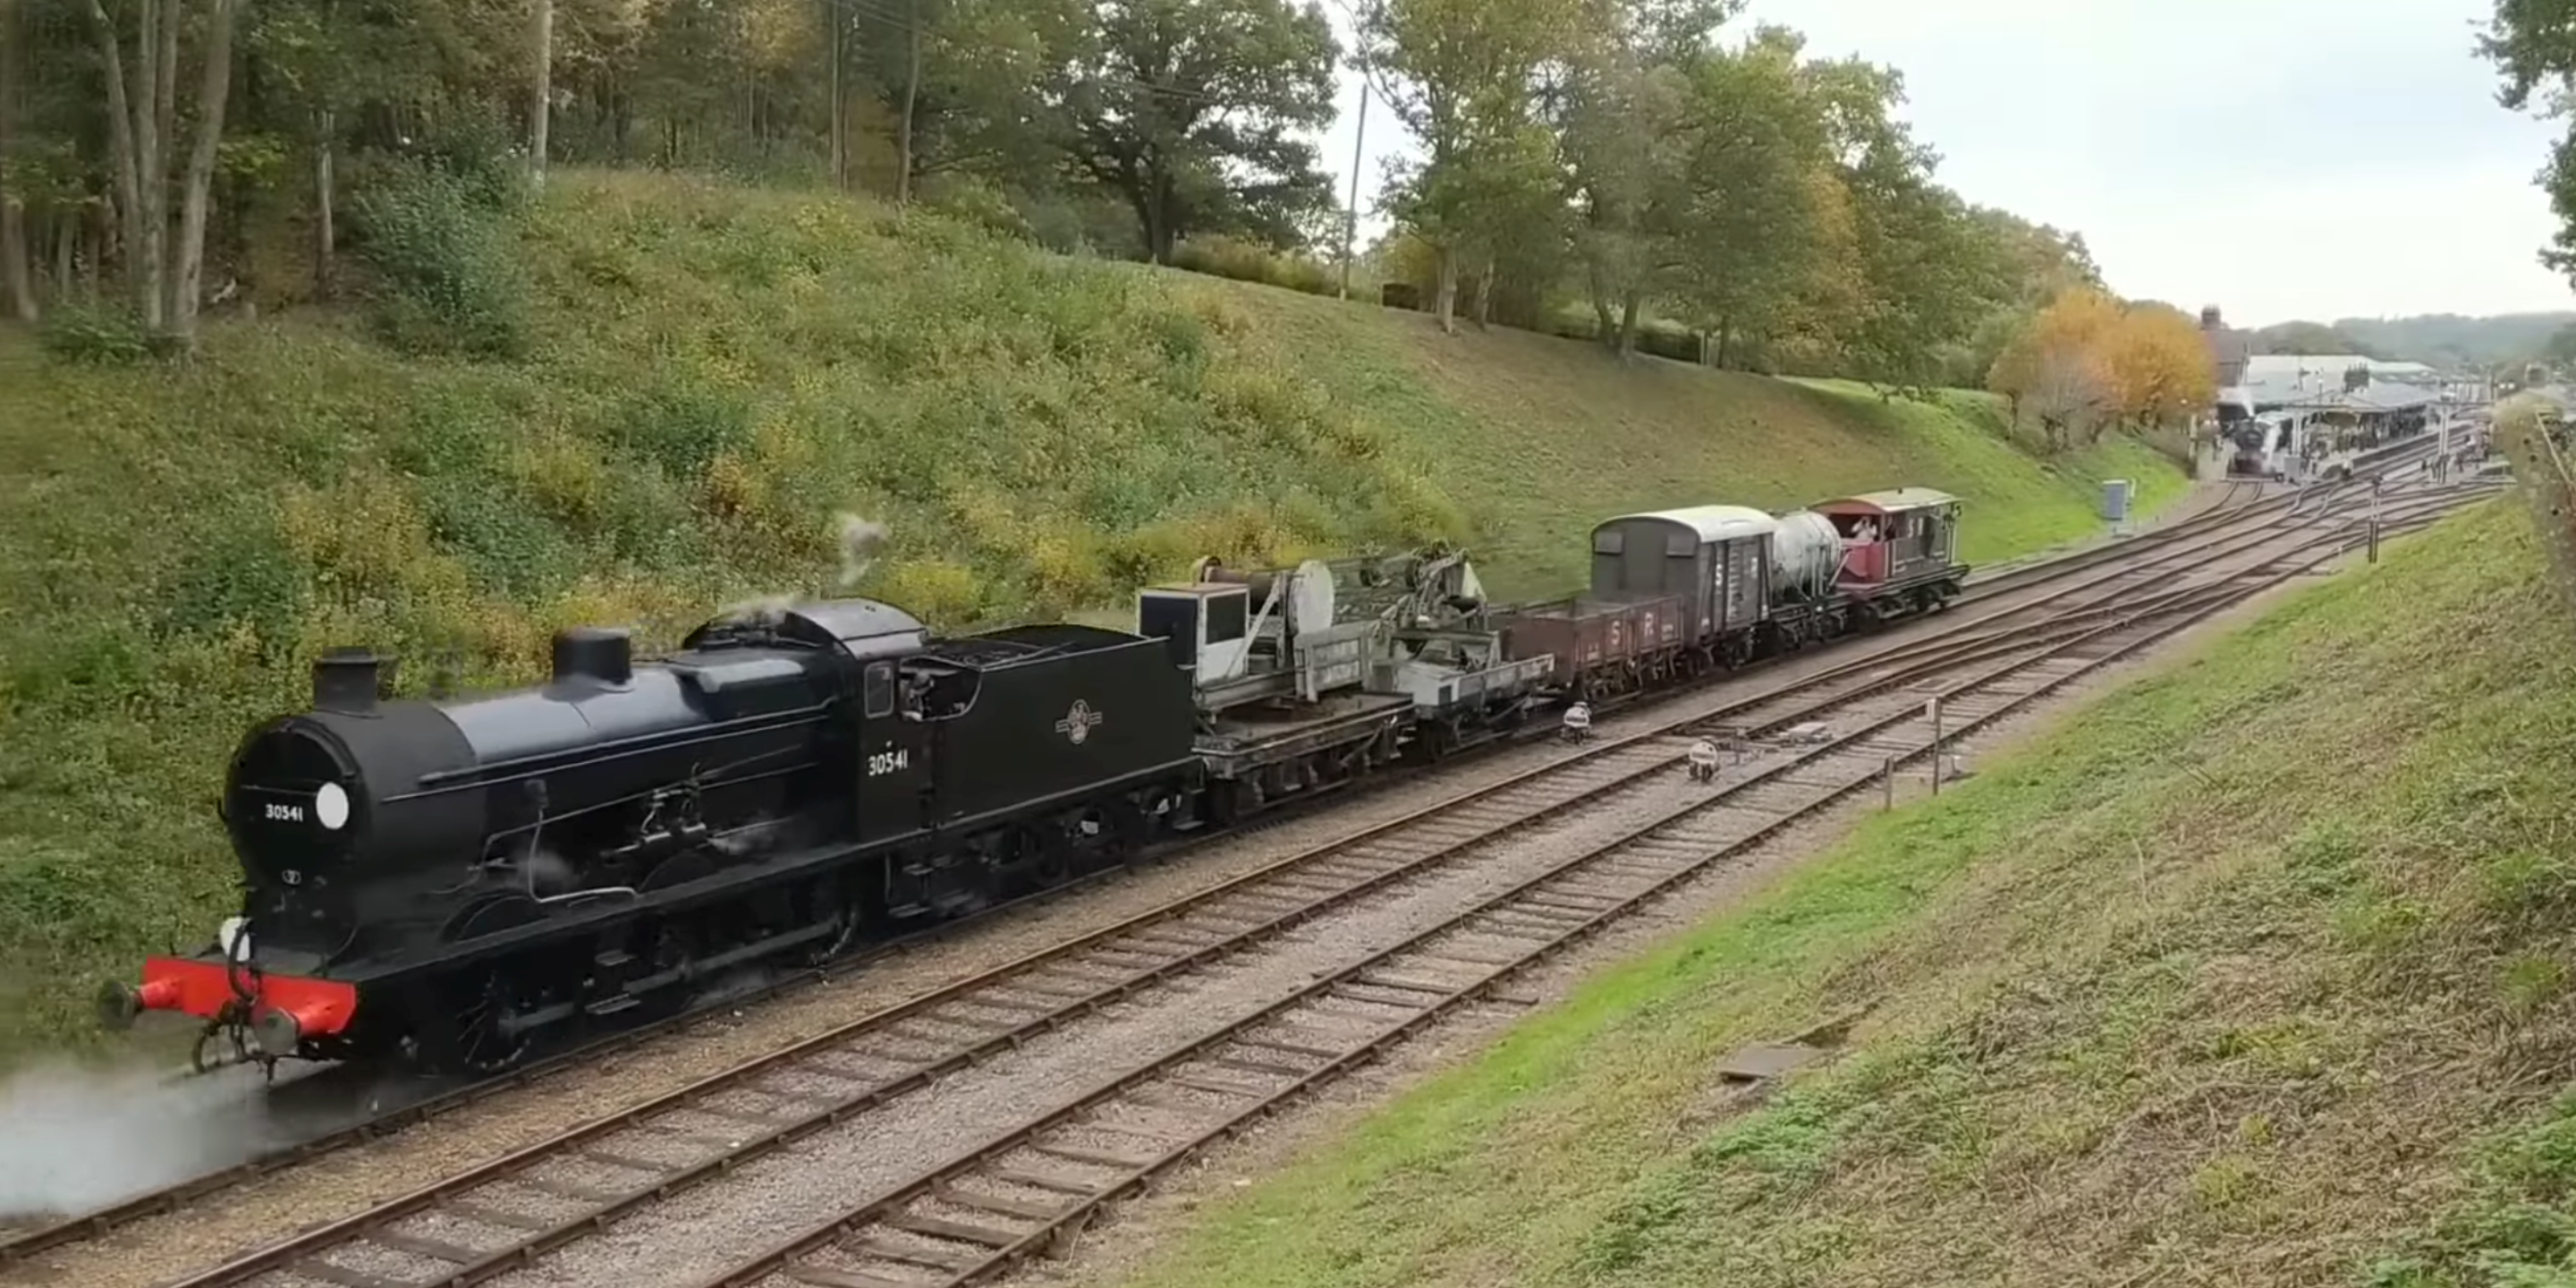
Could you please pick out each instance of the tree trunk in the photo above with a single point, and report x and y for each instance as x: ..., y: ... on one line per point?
x: 14, y: 273
x: 1446, y: 307
x: 1725, y: 341
x: 68, y: 227
x: 212, y: 95
x: 1630, y: 306
x: 835, y: 38
x: 326, y: 239
x: 542, y: 110
x: 1159, y: 234
x: 157, y: 132
x: 1605, y: 331
x: 125, y: 161
x: 1485, y: 293
x: 911, y: 97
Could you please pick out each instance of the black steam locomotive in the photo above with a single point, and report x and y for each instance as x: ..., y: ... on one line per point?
x: 448, y: 881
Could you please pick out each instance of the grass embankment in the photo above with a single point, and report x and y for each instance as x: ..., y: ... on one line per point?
x: 710, y: 376
x: 2255, y: 972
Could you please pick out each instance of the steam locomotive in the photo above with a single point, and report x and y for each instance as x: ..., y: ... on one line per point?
x: 453, y: 884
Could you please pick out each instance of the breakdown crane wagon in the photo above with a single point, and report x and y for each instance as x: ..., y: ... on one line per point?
x: 1310, y: 677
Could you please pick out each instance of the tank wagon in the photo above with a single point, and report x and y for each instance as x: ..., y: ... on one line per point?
x: 453, y: 883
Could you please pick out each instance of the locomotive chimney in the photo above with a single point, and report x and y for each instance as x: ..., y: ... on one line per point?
x: 346, y: 680
x: 599, y: 654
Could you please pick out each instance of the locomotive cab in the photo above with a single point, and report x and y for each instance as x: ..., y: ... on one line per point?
x: 877, y: 645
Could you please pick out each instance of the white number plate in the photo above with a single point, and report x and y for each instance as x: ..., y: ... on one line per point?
x: 889, y: 762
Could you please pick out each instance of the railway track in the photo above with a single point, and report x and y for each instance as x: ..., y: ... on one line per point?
x: 1517, y: 802
x: 520, y: 1211
x: 2246, y: 502
x: 972, y: 1219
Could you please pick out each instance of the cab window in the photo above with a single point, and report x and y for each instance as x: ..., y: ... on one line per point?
x: 879, y: 690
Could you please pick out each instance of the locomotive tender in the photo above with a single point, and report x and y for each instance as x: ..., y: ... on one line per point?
x: 453, y: 883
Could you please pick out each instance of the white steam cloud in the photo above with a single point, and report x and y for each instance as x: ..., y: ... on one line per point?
x: 81, y: 1138
x: 551, y: 873
x: 859, y: 541
x: 860, y: 538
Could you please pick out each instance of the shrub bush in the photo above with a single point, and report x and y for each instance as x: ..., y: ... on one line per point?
x: 100, y: 336
x: 451, y: 278
x: 1244, y: 261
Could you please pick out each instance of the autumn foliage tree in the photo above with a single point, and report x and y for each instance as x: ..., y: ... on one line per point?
x: 2160, y: 366
x: 2088, y: 362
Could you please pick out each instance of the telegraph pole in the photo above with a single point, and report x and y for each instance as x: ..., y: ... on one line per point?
x: 1351, y: 216
x: 1359, y: 154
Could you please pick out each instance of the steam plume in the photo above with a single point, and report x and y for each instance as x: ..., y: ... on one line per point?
x: 859, y: 541
x: 860, y: 538
x: 80, y: 1138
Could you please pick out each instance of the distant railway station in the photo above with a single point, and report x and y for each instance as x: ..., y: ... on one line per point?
x: 2301, y: 418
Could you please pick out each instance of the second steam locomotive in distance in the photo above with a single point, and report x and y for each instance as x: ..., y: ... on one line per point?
x: 453, y: 884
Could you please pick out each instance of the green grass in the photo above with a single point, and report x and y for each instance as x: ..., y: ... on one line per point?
x: 711, y: 377
x: 2254, y: 972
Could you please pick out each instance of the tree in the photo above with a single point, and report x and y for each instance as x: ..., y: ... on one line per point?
x: 1765, y: 214
x: 2560, y: 349
x: 1928, y: 282
x: 2087, y: 360
x: 1464, y: 76
x: 2313, y: 339
x: 961, y: 80
x: 214, y: 93
x: 2159, y: 364
x: 1187, y: 109
x: 2055, y: 370
x: 143, y: 128
x: 1624, y: 122
x: 2533, y: 44
x: 15, y: 277
x: 541, y: 93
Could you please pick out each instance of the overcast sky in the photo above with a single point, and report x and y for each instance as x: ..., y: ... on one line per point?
x: 2280, y: 158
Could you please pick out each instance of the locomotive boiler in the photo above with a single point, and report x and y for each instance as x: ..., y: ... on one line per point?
x: 446, y: 880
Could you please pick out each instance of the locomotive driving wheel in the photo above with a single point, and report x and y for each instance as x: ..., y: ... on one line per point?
x: 474, y: 1029
x: 485, y: 1041
x: 831, y: 946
